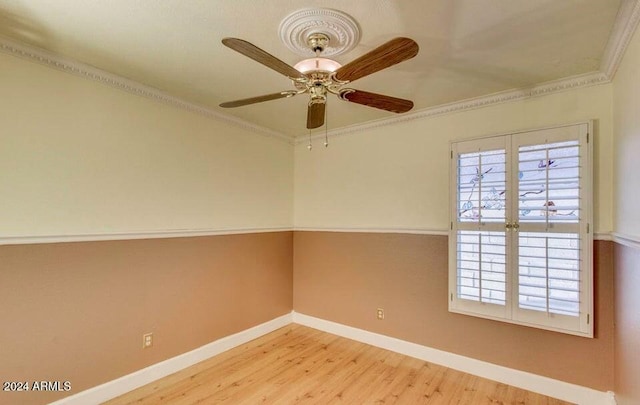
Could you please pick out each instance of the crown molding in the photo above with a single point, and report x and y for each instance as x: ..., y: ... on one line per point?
x: 74, y: 67
x: 626, y: 23
x: 555, y: 86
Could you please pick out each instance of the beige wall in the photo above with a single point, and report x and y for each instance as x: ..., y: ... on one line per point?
x: 397, y: 176
x: 626, y: 107
x: 80, y: 157
x: 77, y: 311
x: 345, y: 276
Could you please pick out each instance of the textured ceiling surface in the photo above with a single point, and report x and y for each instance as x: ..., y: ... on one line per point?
x: 468, y: 48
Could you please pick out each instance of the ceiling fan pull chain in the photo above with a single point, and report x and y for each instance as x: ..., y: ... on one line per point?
x: 309, y: 146
x: 326, y: 124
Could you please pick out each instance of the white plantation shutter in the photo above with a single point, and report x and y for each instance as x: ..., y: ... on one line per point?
x: 520, y: 249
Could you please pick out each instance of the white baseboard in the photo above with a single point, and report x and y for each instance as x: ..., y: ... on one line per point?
x: 531, y: 382
x: 154, y: 372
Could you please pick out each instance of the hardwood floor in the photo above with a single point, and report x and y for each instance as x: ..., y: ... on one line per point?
x: 296, y: 364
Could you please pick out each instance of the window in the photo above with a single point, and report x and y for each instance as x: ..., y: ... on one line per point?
x: 520, y: 244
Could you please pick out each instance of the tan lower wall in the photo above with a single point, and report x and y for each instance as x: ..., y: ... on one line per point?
x: 344, y: 277
x: 627, y: 353
x: 77, y: 311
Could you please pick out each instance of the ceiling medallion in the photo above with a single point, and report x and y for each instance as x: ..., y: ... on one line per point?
x: 342, y: 30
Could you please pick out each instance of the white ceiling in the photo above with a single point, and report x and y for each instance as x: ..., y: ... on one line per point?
x: 468, y: 48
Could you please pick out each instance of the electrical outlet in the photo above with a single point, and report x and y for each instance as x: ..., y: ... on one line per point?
x: 380, y: 313
x: 147, y: 340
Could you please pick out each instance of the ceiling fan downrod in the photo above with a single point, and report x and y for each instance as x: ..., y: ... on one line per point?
x: 318, y: 42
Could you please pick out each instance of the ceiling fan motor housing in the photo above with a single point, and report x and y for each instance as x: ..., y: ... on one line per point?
x: 318, y: 94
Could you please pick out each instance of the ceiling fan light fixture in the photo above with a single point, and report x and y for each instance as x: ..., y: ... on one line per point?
x: 317, y: 64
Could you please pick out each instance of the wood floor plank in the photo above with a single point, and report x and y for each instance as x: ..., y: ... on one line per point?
x: 301, y: 365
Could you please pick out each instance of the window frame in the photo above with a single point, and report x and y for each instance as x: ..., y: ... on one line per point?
x: 581, y: 325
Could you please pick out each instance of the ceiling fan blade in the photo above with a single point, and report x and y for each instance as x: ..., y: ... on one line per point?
x: 315, y: 115
x: 257, y: 54
x: 395, y: 51
x: 388, y: 103
x: 259, y: 99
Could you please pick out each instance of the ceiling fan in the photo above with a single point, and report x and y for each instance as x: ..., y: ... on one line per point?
x: 320, y: 76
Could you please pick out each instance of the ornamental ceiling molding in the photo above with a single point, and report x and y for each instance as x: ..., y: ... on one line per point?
x: 626, y: 23
x: 74, y: 67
